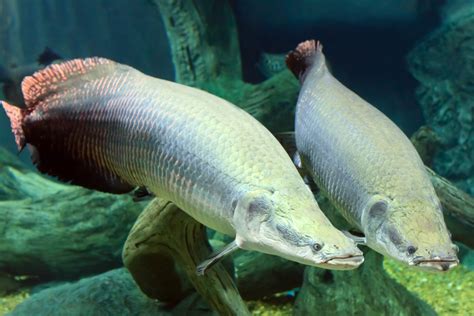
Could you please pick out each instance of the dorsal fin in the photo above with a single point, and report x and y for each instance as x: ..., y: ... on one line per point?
x: 46, y: 82
x: 300, y: 59
x: 48, y: 56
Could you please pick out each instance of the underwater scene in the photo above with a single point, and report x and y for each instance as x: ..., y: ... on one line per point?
x: 236, y: 157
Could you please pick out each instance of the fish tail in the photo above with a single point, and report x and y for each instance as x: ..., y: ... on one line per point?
x: 62, y: 103
x: 16, y: 115
x: 303, y: 57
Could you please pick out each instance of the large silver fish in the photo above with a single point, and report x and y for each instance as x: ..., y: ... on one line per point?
x: 367, y: 167
x: 107, y: 126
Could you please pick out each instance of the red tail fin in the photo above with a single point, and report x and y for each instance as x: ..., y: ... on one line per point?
x: 302, y: 57
x: 16, y: 114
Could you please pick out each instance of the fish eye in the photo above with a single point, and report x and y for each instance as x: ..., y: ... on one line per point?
x: 316, y: 247
x: 411, y: 250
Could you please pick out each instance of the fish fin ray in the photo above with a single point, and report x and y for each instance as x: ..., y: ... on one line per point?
x: 215, y: 258
x: 16, y: 115
x: 287, y: 140
x: 62, y: 154
x: 300, y: 59
x: 141, y: 193
x: 46, y: 83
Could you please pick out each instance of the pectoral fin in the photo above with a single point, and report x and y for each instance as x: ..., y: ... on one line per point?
x: 141, y: 194
x: 287, y: 140
x: 215, y: 258
x: 357, y: 239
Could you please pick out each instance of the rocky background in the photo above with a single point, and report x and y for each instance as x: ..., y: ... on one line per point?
x: 443, y: 63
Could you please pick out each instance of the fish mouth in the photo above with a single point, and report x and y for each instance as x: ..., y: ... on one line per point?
x: 348, y: 262
x: 436, y: 264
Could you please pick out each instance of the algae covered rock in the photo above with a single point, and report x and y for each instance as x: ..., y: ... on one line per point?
x: 112, y: 293
x: 443, y: 63
x: 367, y: 290
x: 57, y: 231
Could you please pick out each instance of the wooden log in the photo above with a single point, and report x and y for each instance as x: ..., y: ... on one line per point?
x: 165, y: 240
x: 259, y: 275
x: 427, y: 144
x: 56, y: 231
x: 458, y: 209
x: 458, y: 206
x: 205, y: 49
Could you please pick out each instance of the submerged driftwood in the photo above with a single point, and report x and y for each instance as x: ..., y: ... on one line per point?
x: 56, y: 231
x: 205, y: 49
x: 163, y: 242
x: 458, y: 209
x: 458, y: 206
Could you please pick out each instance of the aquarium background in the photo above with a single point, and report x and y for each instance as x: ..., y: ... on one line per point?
x: 412, y: 59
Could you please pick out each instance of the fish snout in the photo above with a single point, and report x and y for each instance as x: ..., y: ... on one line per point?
x: 344, y: 262
x: 435, y: 263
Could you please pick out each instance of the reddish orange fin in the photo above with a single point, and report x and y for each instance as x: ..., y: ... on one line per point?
x: 302, y: 57
x: 47, y: 81
x: 16, y: 114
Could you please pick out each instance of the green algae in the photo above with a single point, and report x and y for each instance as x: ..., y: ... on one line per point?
x: 450, y: 293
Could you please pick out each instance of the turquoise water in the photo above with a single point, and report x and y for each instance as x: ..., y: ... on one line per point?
x: 412, y: 59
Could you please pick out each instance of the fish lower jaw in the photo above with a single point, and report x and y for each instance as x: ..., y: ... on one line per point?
x: 342, y: 263
x: 437, y: 265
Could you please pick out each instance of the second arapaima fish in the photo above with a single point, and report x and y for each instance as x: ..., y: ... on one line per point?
x: 109, y: 127
x: 369, y: 169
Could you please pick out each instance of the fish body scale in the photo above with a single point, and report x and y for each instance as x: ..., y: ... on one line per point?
x: 355, y: 151
x: 183, y: 144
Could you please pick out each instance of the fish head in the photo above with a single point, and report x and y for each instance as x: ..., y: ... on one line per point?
x: 293, y: 227
x: 411, y: 230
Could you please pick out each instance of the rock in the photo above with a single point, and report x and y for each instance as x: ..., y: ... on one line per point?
x: 57, y: 231
x: 8, y: 284
x: 112, y: 293
x: 466, y: 256
x: 367, y: 290
x: 443, y: 63
x: 259, y: 275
